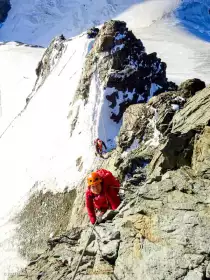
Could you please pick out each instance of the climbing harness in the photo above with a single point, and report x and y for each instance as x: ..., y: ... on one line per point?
x: 74, y: 275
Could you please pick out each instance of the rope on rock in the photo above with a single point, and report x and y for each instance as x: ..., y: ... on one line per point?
x: 74, y: 275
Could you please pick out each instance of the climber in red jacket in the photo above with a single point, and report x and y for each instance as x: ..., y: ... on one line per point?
x: 99, y: 144
x: 102, y: 193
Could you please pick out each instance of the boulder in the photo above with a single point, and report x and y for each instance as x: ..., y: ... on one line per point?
x: 188, y: 88
x: 195, y: 113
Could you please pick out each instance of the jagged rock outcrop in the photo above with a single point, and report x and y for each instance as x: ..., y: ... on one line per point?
x: 187, y: 125
x: 5, y: 6
x: 190, y: 87
x: 136, y: 120
x: 145, y: 127
x: 128, y: 74
x: 92, y: 32
x: 49, y: 59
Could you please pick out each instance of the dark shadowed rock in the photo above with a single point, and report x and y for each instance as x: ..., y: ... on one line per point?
x: 175, y: 152
x: 5, y: 6
x: 92, y: 32
x: 190, y: 87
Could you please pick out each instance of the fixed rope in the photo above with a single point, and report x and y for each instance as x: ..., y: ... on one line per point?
x: 93, y: 226
x: 104, y: 128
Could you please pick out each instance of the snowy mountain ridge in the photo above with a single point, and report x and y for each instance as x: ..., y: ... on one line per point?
x: 46, y: 150
x: 43, y: 155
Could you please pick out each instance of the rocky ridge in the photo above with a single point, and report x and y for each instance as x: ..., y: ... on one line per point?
x: 48, y: 62
x: 162, y: 227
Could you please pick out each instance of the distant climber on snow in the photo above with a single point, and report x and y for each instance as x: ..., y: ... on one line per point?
x: 101, y: 194
x: 99, y: 144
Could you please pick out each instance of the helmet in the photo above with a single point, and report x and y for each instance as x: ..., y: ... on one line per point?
x: 94, y: 179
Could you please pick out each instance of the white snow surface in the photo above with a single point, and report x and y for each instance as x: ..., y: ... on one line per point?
x: 37, y: 21
x: 17, y: 72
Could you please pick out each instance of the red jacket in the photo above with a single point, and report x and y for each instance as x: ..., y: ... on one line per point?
x: 107, y: 199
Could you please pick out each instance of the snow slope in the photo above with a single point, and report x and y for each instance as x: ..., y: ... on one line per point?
x: 156, y: 22
x: 37, y: 21
x: 17, y: 72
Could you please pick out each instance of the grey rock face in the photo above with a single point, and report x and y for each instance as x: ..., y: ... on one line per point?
x: 195, y: 113
x: 163, y: 233
x: 5, y: 6
x: 135, y: 124
x: 166, y: 104
x: 201, y: 154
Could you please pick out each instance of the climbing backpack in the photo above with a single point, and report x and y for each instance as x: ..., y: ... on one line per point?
x: 109, y: 180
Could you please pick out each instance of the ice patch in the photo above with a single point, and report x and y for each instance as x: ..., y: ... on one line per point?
x: 133, y: 146
x: 120, y: 36
x: 179, y: 99
x: 90, y: 45
x: 140, y: 98
x: 117, y: 48
x: 105, y: 128
x: 175, y: 107
x: 154, y: 87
